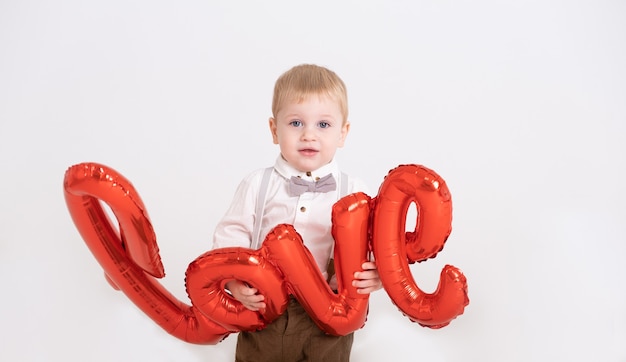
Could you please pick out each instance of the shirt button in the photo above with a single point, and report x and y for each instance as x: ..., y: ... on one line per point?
x: 308, y: 173
x: 303, y: 209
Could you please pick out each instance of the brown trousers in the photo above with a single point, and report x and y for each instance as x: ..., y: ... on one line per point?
x: 292, y: 337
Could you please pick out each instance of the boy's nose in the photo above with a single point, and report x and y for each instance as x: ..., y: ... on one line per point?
x: 308, y: 134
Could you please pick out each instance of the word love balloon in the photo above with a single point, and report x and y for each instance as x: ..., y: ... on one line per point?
x: 282, y: 266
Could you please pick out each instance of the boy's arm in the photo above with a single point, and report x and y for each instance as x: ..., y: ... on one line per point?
x: 235, y: 227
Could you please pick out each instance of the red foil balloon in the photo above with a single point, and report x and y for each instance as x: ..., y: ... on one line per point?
x: 341, y: 313
x: 206, y: 278
x: 394, y: 249
x: 282, y: 266
x: 131, y: 262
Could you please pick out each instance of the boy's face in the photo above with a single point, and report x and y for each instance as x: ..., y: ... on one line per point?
x: 309, y: 132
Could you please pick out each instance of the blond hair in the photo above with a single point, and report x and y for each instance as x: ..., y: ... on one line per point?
x: 305, y: 80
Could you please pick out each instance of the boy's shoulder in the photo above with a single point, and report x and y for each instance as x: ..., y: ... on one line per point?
x: 254, y: 178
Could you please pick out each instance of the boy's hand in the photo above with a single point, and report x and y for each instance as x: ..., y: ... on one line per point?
x: 246, y: 295
x: 368, y: 280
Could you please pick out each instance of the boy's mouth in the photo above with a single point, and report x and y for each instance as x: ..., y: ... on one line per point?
x: 308, y: 151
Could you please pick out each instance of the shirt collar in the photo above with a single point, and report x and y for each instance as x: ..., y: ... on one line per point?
x: 287, y: 171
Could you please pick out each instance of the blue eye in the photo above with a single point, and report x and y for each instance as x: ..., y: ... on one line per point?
x: 323, y: 124
x: 296, y: 123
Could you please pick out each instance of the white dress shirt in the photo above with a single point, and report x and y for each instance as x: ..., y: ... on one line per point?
x: 309, y: 213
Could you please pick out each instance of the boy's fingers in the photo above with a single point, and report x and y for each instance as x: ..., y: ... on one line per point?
x: 368, y: 274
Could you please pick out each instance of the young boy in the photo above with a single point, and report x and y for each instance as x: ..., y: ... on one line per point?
x: 309, y: 123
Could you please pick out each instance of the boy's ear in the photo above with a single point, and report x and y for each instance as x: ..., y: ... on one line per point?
x: 272, y: 123
x: 344, y: 133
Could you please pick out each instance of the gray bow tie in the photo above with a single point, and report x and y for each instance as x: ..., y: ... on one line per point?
x: 298, y: 186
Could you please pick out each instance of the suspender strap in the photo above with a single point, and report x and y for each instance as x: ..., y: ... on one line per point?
x: 260, y: 208
x: 343, y: 184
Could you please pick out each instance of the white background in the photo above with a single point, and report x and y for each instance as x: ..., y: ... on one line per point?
x: 520, y: 106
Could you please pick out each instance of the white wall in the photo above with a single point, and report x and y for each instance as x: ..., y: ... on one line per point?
x: 520, y: 106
